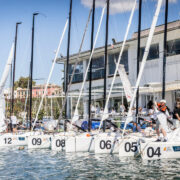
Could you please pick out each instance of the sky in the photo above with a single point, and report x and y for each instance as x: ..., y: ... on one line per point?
x: 49, y: 25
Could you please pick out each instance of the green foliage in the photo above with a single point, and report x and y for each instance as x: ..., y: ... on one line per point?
x: 41, y: 114
x: 23, y: 82
x: 56, y: 113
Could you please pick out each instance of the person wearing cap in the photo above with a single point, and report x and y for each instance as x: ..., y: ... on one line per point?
x: 161, y: 124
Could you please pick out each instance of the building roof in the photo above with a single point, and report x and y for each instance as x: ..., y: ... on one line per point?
x: 100, y: 50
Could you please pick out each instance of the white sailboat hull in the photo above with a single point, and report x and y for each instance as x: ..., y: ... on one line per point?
x: 106, y: 143
x: 160, y: 150
x: 59, y: 141
x: 39, y: 141
x: 8, y: 140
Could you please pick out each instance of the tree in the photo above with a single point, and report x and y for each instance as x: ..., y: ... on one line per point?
x: 41, y: 114
x: 23, y: 82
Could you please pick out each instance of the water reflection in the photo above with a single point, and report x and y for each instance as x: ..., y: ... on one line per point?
x: 46, y: 164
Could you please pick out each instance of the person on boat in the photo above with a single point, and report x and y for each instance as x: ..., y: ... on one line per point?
x: 161, y: 124
x: 122, y: 108
x: 152, y: 115
x: 113, y: 112
x: 14, y: 123
x: 101, y: 111
x: 176, y: 114
x: 97, y: 110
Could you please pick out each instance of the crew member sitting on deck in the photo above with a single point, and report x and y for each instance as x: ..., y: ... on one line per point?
x: 161, y: 124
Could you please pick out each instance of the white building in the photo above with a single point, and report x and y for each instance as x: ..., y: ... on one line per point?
x: 152, y: 77
x: 7, y: 93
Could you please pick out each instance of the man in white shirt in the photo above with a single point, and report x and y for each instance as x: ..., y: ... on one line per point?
x: 14, y: 123
x: 161, y: 124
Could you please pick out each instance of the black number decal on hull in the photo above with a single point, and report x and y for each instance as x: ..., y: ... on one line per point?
x: 130, y: 146
x: 151, y: 152
x: 60, y: 143
x: 105, y: 144
x: 36, y: 141
x: 8, y: 140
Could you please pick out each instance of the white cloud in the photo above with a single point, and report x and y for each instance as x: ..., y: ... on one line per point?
x: 116, y: 6
x: 171, y: 1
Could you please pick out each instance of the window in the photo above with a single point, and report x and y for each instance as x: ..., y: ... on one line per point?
x: 97, y: 68
x: 153, y: 52
x: 113, y: 58
x: 173, y: 47
x: 78, y: 75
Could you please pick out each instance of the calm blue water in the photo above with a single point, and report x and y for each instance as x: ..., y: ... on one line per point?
x: 45, y: 164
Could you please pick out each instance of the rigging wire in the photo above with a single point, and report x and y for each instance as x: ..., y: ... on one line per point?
x: 85, y: 75
x: 50, y: 74
x: 105, y: 113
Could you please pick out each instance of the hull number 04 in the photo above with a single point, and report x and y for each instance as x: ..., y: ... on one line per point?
x: 151, y: 152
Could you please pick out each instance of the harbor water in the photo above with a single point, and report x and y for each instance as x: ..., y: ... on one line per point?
x: 46, y: 164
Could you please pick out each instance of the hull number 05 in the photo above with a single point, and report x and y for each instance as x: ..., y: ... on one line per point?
x: 130, y: 147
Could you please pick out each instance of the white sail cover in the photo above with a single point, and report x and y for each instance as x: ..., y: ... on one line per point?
x: 2, y: 85
x: 126, y: 83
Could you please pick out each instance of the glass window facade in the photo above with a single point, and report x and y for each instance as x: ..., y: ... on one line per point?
x: 97, y: 68
x: 78, y: 75
x: 114, y: 57
x: 153, y: 52
x: 173, y: 47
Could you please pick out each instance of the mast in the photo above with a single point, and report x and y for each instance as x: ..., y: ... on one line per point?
x: 165, y: 51
x: 105, y: 61
x: 67, y: 64
x: 31, y: 69
x: 13, y: 72
x: 138, y: 55
x: 90, y: 69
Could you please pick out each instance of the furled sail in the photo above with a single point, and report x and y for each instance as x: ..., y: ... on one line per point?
x: 2, y: 85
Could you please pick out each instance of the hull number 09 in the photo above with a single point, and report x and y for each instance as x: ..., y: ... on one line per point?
x: 36, y: 141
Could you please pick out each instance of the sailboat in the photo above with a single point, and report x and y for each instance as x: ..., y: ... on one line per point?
x: 162, y: 150
x: 8, y: 139
x: 41, y: 140
x: 146, y: 146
